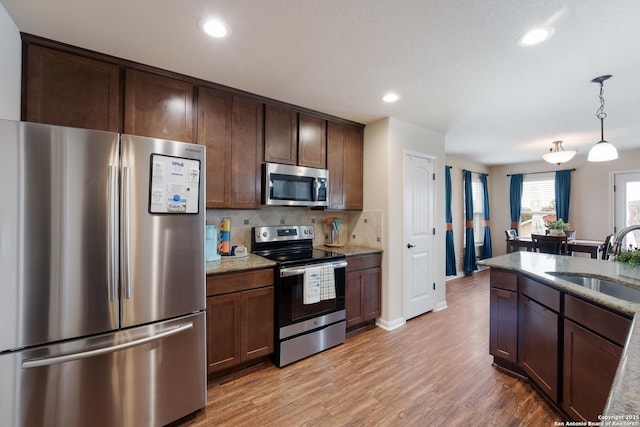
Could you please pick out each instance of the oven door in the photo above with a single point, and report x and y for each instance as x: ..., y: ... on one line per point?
x: 289, y: 295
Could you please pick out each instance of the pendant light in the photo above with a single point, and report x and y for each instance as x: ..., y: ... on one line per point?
x: 603, y: 151
x: 558, y: 154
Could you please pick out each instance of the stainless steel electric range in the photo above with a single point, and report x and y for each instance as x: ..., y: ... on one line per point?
x: 306, y: 322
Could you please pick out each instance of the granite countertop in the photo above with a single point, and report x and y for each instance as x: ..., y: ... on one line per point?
x: 624, y: 398
x: 350, y: 250
x: 230, y: 264
x: 252, y: 262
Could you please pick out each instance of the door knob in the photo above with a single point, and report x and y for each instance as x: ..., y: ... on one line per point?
x: 409, y: 246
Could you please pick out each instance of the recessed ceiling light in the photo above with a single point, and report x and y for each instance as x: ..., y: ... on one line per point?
x: 535, y: 36
x: 216, y: 28
x: 390, y: 97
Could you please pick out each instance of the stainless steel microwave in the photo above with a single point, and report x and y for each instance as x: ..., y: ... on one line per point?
x: 287, y: 185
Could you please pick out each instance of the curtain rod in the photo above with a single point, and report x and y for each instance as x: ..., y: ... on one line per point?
x: 479, y: 173
x: 535, y: 173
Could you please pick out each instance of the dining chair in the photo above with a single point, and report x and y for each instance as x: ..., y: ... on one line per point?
x: 571, y: 234
x: 549, y: 244
x: 511, y: 235
x: 606, y: 247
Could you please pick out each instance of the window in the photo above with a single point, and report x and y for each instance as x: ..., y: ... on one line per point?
x: 478, y: 209
x: 538, y: 203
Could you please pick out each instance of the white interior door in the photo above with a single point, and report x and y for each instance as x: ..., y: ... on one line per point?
x: 627, y: 205
x: 418, y: 215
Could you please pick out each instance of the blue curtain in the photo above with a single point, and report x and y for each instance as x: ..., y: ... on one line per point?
x: 515, y: 199
x: 469, y: 264
x: 451, y: 252
x: 563, y: 191
x: 486, y: 243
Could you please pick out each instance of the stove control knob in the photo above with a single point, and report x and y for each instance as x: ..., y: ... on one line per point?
x: 265, y: 234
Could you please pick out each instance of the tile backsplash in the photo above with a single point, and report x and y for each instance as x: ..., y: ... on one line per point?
x: 356, y: 228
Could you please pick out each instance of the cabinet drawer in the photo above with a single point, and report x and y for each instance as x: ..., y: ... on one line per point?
x: 233, y: 282
x: 360, y: 262
x: 503, y: 280
x: 608, y: 324
x: 543, y: 294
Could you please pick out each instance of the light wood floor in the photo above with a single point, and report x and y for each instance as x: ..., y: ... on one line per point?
x: 435, y: 371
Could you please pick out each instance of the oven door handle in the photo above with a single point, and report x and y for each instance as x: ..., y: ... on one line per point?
x: 295, y: 271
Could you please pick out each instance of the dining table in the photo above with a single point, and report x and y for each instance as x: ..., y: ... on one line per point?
x: 592, y: 247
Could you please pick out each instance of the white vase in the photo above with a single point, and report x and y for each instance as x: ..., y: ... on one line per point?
x: 556, y: 232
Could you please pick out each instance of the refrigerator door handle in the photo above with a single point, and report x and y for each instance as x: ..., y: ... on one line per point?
x: 112, y: 239
x: 46, y: 361
x: 126, y: 232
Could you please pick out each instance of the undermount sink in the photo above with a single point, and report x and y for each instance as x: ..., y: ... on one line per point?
x: 608, y: 287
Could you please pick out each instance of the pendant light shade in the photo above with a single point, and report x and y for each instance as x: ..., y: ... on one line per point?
x: 558, y: 154
x: 603, y: 151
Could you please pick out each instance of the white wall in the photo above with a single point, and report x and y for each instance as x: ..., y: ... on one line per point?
x: 384, y: 144
x: 590, y: 209
x: 457, y: 204
x: 10, y: 67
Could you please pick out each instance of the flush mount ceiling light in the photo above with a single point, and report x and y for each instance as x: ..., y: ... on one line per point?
x: 535, y: 36
x: 603, y: 151
x: 216, y: 28
x: 558, y: 154
x: 390, y: 97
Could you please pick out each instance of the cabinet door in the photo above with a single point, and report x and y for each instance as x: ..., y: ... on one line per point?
x: 589, y: 366
x: 371, y: 298
x: 246, y: 154
x: 214, y: 132
x: 158, y: 106
x: 280, y: 135
x: 344, y: 161
x: 503, y: 324
x: 223, y: 331
x: 538, y: 345
x: 71, y: 90
x: 353, y: 151
x: 336, y: 165
x: 257, y: 323
x: 312, y: 141
x: 353, y: 298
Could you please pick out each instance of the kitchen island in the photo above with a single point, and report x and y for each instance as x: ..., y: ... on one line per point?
x: 624, y: 397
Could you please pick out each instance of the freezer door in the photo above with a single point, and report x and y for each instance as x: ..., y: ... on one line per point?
x: 59, y: 248
x: 162, y: 252
x: 145, y: 376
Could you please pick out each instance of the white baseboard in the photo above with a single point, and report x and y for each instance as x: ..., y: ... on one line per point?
x: 440, y: 306
x: 390, y: 326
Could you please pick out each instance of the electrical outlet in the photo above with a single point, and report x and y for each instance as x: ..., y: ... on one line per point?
x: 282, y: 221
x: 246, y: 222
x: 366, y: 220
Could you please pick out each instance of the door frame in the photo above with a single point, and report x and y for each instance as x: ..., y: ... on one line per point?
x: 612, y: 196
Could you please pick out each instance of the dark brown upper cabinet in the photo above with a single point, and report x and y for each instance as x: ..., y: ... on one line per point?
x: 345, y: 165
x: 70, y: 90
x: 280, y: 135
x: 312, y: 141
x: 158, y: 106
x: 246, y: 155
x: 214, y: 131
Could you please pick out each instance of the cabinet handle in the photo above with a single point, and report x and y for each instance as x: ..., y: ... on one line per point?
x: 409, y: 246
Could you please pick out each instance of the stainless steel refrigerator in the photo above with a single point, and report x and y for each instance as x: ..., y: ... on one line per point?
x: 102, y: 275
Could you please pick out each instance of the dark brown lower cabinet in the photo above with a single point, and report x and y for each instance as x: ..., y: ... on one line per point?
x: 590, y: 364
x: 568, y: 346
x: 538, y: 344
x: 239, y: 318
x: 503, y: 329
x: 362, y: 290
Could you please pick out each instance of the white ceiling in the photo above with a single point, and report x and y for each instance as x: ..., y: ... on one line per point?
x: 455, y: 63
